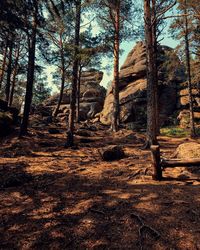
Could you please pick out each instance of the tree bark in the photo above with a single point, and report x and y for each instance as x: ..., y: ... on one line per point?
x: 151, y: 103
x: 30, y: 72
x: 115, y: 84
x: 3, y: 64
x: 78, y: 95
x: 55, y: 113
x: 188, y: 67
x: 9, y: 71
x: 156, y: 164
x: 155, y: 53
x: 14, y: 74
x: 70, y: 132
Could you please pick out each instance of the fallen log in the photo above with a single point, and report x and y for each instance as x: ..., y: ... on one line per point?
x: 170, y: 163
x: 159, y: 164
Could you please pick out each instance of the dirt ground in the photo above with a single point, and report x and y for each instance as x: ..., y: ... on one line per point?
x: 57, y: 198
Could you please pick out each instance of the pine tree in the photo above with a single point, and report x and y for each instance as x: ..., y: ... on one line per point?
x: 151, y: 100
x: 183, y: 28
x: 58, y: 31
x: 115, y: 18
x: 154, y: 12
x: 32, y: 18
x: 71, y: 119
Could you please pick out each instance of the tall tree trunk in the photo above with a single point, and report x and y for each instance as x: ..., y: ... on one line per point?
x: 155, y: 47
x: 151, y: 103
x: 115, y: 84
x: 3, y: 64
x: 14, y: 74
x: 55, y: 113
x: 30, y: 73
x: 9, y: 71
x: 70, y: 132
x: 188, y: 67
x: 78, y: 95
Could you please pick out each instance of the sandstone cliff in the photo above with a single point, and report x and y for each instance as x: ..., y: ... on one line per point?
x: 133, y: 84
x: 92, y: 96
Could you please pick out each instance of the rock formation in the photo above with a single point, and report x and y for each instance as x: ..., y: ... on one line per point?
x: 8, y: 118
x: 133, y: 85
x: 92, y: 96
x: 183, y: 105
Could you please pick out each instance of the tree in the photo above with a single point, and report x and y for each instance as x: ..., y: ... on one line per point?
x: 188, y: 67
x: 154, y: 12
x: 183, y: 29
x: 18, y: 50
x: 41, y: 90
x: 151, y: 100
x: 58, y: 31
x: 115, y: 120
x: 115, y: 18
x: 70, y: 132
x: 3, y: 64
x: 10, y: 24
x: 9, y: 69
x: 31, y: 36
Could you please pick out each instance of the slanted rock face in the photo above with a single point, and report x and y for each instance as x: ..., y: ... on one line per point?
x: 92, y: 96
x: 133, y: 85
x: 134, y: 67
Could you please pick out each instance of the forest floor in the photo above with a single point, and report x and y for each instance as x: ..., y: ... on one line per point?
x: 57, y: 198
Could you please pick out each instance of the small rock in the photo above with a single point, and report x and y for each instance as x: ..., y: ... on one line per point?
x: 75, y: 147
x: 17, y: 179
x: 86, y: 140
x: 112, y: 153
x: 83, y: 133
x: 54, y: 131
x: 95, y: 120
x: 93, y: 128
x: 47, y: 144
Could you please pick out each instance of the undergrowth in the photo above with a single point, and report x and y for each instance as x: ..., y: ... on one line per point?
x: 177, y: 131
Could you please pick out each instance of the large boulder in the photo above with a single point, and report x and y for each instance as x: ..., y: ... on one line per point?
x: 133, y: 87
x: 8, y: 118
x: 6, y: 123
x: 92, y: 96
x: 131, y: 97
x: 188, y: 150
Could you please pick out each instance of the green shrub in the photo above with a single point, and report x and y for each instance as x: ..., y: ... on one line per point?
x: 175, y: 131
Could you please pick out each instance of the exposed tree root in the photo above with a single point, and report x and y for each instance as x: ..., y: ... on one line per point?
x: 144, y: 228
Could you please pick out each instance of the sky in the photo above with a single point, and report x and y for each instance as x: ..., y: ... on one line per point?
x: 108, y: 76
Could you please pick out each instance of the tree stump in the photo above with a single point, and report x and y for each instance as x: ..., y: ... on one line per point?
x: 156, y: 164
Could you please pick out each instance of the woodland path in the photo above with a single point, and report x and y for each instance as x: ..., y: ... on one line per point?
x: 56, y: 198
